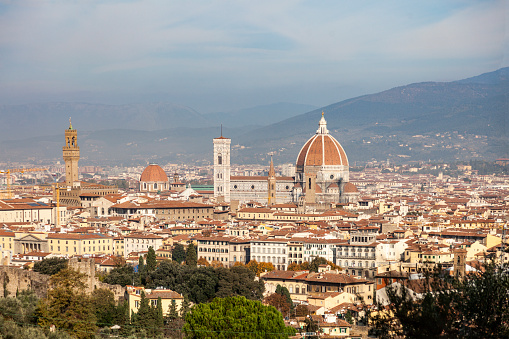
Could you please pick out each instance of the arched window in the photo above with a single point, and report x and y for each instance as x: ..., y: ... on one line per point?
x: 309, y: 183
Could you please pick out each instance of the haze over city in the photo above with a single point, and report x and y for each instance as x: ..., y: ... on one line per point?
x: 226, y: 55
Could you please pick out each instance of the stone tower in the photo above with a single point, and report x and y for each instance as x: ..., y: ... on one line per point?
x: 459, y: 267
x: 310, y: 183
x: 71, y: 154
x: 222, y: 168
x: 271, y: 199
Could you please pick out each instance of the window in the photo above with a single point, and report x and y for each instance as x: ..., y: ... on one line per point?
x: 219, y: 159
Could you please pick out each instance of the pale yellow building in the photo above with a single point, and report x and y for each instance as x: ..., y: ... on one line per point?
x: 167, y: 297
x: 7, y: 240
x: 71, y: 244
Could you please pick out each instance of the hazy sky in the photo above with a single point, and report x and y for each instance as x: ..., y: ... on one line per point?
x: 221, y: 55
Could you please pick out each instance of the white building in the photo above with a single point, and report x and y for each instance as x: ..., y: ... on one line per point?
x: 270, y: 250
x: 141, y: 242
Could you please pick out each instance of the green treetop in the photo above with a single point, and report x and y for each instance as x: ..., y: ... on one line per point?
x: 235, y: 317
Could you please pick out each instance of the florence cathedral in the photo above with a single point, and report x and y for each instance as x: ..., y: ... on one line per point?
x: 321, y: 175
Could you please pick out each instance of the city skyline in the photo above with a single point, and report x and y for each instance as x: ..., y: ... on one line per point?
x: 224, y: 56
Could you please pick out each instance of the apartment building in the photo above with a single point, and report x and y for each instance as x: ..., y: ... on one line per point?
x: 72, y: 244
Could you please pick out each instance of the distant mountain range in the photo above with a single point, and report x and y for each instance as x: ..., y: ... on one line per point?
x: 460, y: 120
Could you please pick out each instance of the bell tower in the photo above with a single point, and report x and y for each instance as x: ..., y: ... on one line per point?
x: 271, y: 199
x: 222, y: 168
x: 71, y: 155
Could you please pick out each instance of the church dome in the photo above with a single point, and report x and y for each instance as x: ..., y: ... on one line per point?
x: 350, y: 188
x: 322, y: 149
x: 153, y: 173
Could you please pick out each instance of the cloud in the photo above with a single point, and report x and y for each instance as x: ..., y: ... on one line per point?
x: 190, y: 47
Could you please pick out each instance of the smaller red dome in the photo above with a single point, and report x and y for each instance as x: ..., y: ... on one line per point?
x: 153, y: 173
x: 350, y: 188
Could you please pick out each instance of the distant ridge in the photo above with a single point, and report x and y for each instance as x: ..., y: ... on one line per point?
x: 429, y: 121
x: 475, y: 106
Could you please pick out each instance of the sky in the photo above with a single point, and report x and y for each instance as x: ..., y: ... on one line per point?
x: 225, y: 55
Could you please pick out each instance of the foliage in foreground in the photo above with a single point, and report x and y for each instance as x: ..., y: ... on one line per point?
x: 50, y: 266
x: 475, y: 307
x: 18, y: 318
x: 235, y: 317
x: 200, y: 284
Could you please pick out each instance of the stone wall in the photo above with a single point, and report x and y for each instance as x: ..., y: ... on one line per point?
x: 87, y: 267
x: 13, y: 279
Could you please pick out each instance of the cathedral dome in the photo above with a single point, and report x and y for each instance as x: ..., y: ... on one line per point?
x: 153, y: 173
x: 322, y: 149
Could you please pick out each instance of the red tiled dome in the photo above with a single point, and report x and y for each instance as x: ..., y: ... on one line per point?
x: 350, y: 188
x: 322, y: 149
x: 153, y: 173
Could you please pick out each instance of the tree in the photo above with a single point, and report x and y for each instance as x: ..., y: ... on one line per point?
x: 253, y: 266
x: 20, y: 309
x: 123, y: 275
x: 159, y: 314
x: 315, y: 263
x: 293, y: 267
x: 311, y: 325
x: 146, y: 318
x: 50, y: 266
x: 172, y: 311
x: 216, y: 264
x: 260, y: 267
x: 103, y: 303
x: 348, y: 317
x: 265, y: 267
x: 238, y: 280
x: 298, y: 267
x: 279, y: 302
x: 191, y: 255
x: 184, y: 308
x: 235, y: 317
x: 151, y: 259
x: 301, y: 310
x: 11, y: 329
x: 67, y: 306
x: 282, y: 290
x: 203, y: 262
x: 179, y: 253
x: 475, y: 306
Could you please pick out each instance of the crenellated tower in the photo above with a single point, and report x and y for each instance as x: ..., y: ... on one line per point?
x: 71, y: 155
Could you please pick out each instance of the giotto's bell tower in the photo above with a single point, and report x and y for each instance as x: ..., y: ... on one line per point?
x: 222, y: 168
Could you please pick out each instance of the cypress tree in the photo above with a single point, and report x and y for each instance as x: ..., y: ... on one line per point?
x: 151, y: 259
x: 191, y: 255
